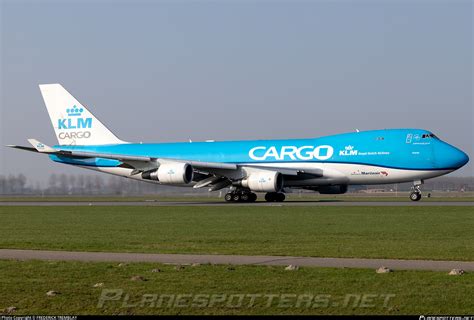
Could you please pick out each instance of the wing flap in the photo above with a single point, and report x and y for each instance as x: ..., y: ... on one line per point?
x: 206, y: 182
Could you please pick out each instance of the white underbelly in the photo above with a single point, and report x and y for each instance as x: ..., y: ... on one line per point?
x: 334, y: 173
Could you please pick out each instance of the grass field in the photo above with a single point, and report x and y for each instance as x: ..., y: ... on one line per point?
x: 330, y: 291
x: 374, y: 232
x: 440, y: 233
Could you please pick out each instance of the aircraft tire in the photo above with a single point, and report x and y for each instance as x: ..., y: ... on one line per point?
x: 271, y: 196
x: 228, y: 197
x: 280, y: 197
x: 253, y: 197
x: 415, y: 196
x: 245, y: 197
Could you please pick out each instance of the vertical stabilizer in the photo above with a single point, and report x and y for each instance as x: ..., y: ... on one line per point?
x: 73, y: 123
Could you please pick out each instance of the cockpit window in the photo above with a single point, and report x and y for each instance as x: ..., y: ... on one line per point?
x: 428, y: 136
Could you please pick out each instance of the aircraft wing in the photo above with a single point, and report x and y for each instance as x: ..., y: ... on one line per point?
x: 215, y: 174
x: 136, y: 160
x: 132, y: 160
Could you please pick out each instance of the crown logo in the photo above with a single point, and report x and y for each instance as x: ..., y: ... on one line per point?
x: 74, y: 111
x: 349, y: 147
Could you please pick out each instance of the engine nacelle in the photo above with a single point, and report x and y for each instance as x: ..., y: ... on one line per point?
x: 337, y: 189
x: 264, y: 182
x: 171, y: 173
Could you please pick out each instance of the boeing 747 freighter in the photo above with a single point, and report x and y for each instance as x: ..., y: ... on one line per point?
x: 327, y: 165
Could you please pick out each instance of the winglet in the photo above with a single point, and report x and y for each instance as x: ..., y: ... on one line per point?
x: 41, y: 147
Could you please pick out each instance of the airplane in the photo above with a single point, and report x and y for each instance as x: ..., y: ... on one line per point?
x: 326, y: 164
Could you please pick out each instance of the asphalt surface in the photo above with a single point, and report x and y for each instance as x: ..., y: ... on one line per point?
x: 184, y: 259
x: 239, y: 204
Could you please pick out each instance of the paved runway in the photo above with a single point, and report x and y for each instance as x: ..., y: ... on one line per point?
x: 223, y: 203
x: 236, y: 260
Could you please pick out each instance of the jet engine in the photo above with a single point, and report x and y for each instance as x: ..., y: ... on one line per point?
x: 171, y: 173
x: 264, y: 181
x: 337, y: 189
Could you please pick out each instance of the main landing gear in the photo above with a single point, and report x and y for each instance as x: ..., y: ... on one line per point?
x: 415, y: 194
x: 240, y: 196
x: 275, y: 197
x: 248, y: 196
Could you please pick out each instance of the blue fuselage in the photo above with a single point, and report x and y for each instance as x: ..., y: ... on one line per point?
x: 405, y: 149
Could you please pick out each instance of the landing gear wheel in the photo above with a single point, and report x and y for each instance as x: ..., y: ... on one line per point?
x: 280, y: 197
x: 275, y: 196
x: 245, y: 197
x: 236, y: 197
x: 240, y: 195
x: 252, y: 197
x: 415, y: 196
x: 270, y: 197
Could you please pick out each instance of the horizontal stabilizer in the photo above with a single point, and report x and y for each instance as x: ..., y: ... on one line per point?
x: 41, y: 147
x: 22, y: 148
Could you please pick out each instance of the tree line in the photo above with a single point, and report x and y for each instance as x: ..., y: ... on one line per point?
x: 68, y: 184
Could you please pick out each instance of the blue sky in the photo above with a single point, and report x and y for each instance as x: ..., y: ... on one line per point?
x: 169, y: 71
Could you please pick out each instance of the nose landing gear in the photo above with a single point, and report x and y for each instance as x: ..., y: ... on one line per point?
x: 415, y: 194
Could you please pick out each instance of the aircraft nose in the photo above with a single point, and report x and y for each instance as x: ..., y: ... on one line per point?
x: 464, y: 158
x: 457, y: 158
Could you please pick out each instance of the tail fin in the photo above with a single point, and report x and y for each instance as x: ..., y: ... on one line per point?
x: 72, y: 122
